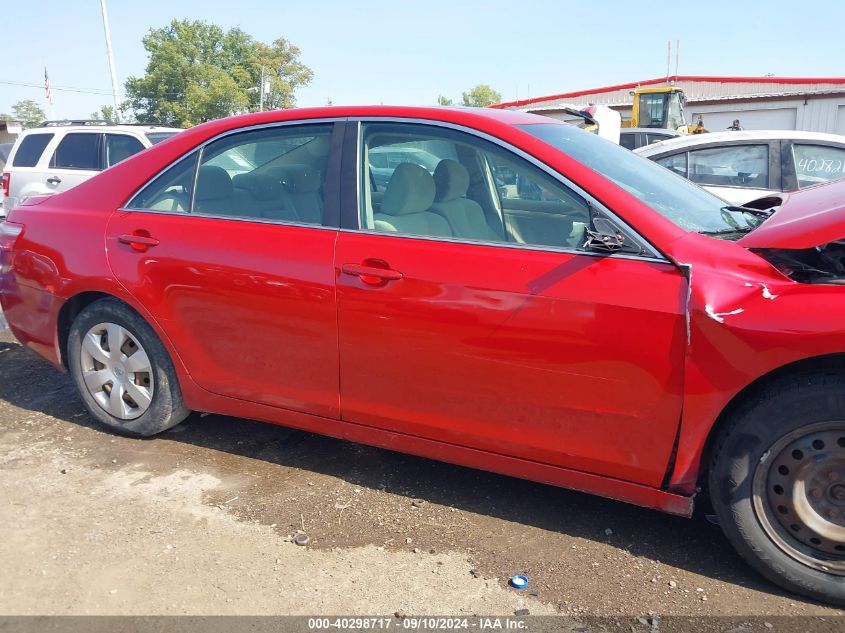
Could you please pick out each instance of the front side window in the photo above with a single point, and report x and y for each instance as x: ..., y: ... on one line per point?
x: 78, y: 151
x: 120, y: 147
x: 731, y: 166
x: 443, y: 183
x: 30, y: 150
x: 272, y: 173
x: 815, y: 164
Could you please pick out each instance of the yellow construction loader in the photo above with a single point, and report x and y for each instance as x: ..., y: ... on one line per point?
x: 661, y: 107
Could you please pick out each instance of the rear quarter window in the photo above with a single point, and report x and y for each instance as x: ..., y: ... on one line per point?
x: 30, y: 150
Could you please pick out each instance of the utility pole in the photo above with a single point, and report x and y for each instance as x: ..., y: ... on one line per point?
x: 261, y: 92
x: 111, y: 60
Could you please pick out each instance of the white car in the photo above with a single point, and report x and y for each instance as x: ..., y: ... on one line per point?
x: 59, y: 155
x: 743, y: 166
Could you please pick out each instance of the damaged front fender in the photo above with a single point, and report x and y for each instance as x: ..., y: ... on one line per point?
x: 746, y: 319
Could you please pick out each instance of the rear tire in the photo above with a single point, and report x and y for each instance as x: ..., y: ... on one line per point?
x: 122, y: 371
x: 777, y: 484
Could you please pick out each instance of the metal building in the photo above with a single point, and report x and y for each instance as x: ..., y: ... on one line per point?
x: 759, y: 103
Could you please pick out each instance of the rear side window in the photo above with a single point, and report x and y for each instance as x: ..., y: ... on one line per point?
x: 30, y: 150
x: 818, y: 163
x: 120, y: 147
x: 78, y: 151
x: 272, y: 174
x: 171, y: 190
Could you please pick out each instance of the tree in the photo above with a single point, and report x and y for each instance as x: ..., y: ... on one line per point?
x: 198, y: 72
x: 444, y: 101
x: 27, y: 112
x: 481, y: 96
x: 105, y: 112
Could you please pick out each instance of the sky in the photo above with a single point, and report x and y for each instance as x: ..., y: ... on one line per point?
x: 405, y: 52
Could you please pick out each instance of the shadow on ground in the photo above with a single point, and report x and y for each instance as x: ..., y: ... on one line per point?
x: 692, y: 545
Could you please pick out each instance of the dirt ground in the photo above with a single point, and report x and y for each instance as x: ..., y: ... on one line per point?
x: 199, y: 521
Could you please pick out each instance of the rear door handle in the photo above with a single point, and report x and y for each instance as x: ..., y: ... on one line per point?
x: 138, y: 242
x: 372, y: 275
x: 54, y: 180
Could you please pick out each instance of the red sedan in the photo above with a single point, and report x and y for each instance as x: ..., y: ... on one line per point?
x: 483, y: 287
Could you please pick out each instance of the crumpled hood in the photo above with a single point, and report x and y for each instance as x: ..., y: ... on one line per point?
x: 807, y: 218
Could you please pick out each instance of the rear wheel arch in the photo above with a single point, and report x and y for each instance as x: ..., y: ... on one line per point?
x: 79, y: 301
x: 69, y: 311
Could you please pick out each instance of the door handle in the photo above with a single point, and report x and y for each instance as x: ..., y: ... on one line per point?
x: 137, y: 240
x: 54, y: 180
x: 373, y: 275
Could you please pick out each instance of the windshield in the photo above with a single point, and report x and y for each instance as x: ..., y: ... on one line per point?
x: 687, y: 205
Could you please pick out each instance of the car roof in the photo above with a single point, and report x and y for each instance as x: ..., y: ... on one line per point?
x: 436, y: 113
x: 693, y: 140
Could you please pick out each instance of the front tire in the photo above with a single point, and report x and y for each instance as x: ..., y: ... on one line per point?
x: 777, y: 484
x: 122, y: 371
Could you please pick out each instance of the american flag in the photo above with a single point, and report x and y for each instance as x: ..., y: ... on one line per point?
x: 47, y: 90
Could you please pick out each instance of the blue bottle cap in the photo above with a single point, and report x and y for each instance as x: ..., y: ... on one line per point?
x: 519, y: 581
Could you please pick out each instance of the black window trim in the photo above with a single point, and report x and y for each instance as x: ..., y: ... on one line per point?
x: 99, y: 151
x: 331, y: 188
x: 351, y: 212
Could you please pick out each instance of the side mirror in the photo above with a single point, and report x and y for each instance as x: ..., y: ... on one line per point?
x: 605, y: 237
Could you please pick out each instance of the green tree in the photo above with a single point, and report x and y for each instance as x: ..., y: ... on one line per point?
x: 198, y: 72
x: 481, y: 96
x: 105, y: 112
x: 27, y: 112
x: 444, y: 101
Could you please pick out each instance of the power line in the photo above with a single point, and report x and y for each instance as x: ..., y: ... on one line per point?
x: 95, y: 91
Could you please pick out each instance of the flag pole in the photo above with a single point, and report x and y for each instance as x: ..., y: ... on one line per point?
x: 111, y: 60
x: 48, y: 94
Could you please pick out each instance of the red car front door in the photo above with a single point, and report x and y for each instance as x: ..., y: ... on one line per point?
x: 566, y: 358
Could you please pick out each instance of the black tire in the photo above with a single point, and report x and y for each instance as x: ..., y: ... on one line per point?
x: 749, y: 456
x: 166, y: 408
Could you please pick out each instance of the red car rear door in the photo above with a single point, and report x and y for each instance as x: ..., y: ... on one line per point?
x: 541, y: 351
x: 236, y: 264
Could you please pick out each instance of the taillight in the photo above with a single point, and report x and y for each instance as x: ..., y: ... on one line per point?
x: 9, y: 233
x: 7, y: 179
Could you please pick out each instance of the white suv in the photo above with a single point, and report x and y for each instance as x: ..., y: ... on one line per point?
x: 59, y: 155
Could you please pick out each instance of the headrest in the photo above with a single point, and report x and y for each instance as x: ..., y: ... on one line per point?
x: 298, y: 178
x: 213, y: 182
x: 263, y: 187
x: 451, y: 179
x: 410, y: 190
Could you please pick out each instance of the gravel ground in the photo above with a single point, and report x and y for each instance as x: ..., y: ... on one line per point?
x: 200, y: 520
